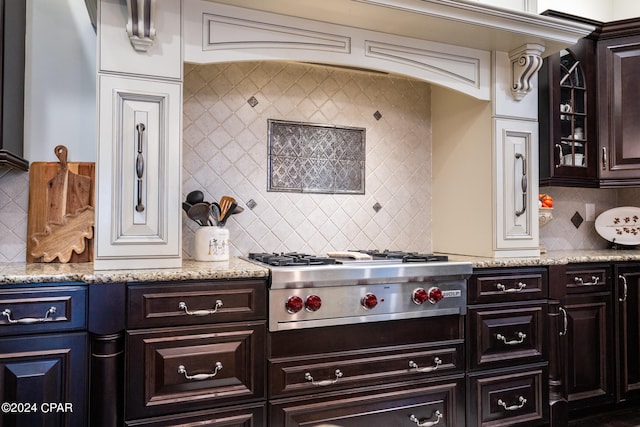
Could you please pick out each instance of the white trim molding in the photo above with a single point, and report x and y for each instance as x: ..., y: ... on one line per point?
x: 525, y: 63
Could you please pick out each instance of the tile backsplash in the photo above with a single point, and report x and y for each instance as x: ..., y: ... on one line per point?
x: 226, y: 113
x: 14, y: 204
x: 226, y: 109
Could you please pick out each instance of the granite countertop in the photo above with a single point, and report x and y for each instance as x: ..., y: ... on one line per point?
x: 552, y: 258
x: 237, y: 268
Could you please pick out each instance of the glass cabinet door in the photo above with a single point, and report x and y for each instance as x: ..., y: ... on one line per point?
x: 570, y: 150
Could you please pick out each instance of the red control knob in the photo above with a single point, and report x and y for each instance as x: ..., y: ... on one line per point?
x: 420, y: 296
x: 369, y: 301
x: 435, y: 295
x: 294, y: 304
x: 313, y: 303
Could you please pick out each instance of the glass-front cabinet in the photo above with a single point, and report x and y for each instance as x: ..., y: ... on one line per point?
x: 567, y: 111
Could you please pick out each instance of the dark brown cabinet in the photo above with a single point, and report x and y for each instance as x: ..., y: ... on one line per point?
x: 507, y: 358
x: 619, y: 103
x: 404, y: 372
x: 196, y: 351
x: 588, y: 108
x: 627, y: 323
x: 12, y: 43
x: 43, y: 355
x: 587, y: 340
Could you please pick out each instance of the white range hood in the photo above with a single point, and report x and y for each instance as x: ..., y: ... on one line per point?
x: 489, y: 54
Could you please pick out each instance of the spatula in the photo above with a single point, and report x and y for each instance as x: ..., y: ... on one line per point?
x: 225, y: 204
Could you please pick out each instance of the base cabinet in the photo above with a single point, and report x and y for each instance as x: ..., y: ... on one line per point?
x: 627, y: 319
x: 416, y: 403
x: 43, y: 356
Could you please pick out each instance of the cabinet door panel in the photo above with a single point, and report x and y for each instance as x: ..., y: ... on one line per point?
x: 628, y: 329
x: 516, y: 191
x: 290, y: 376
x: 500, y: 336
x: 589, y: 375
x: 198, y: 366
x: 508, y: 398
x: 160, y: 304
x: 43, y: 309
x: 234, y: 416
x: 138, y: 209
x: 436, y: 403
x: 619, y: 66
x: 44, y: 369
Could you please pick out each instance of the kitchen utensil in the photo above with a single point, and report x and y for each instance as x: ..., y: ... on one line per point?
x: 228, y: 213
x: 186, y: 206
x: 225, y: 204
x: 214, y: 213
x: 61, y: 239
x: 237, y: 210
x: 195, y: 196
x: 199, y: 212
x: 57, y: 190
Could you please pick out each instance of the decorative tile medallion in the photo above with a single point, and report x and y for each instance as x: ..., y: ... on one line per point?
x: 313, y: 158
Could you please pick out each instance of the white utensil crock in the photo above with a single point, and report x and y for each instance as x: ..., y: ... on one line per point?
x: 211, y: 244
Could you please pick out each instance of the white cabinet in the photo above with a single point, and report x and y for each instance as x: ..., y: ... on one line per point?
x: 138, y: 216
x: 516, y: 148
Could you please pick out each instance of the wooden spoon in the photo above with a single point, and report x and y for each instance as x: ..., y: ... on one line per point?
x: 225, y: 204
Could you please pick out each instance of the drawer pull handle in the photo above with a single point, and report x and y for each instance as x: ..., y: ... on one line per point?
x: 436, y: 361
x: 625, y: 288
x: 521, y: 336
x: 515, y: 407
x: 308, y: 377
x: 594, y: 281
x: 183, y: 306
x: 49, y: 315
x: 436, y: 414
x: 503, y: 288
x: 199, y: 377
x: 565, y: 323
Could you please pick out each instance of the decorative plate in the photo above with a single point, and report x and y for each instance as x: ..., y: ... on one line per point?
x: 620, y: 225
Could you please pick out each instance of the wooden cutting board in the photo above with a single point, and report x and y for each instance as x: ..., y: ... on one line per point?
x: 61, y: 203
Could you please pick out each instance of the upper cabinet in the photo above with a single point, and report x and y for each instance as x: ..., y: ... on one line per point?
x: 12, y: 41
x: 588, y: 137
x: 619, y: 104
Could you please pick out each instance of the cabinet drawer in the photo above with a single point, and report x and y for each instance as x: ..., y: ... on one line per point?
x: 508, y: 285
x: 313, y: 374
x: 42, y: 309
x: 587, y: 278
x: 198, y: 303
x: 508, y: 397
x: 201, y: 367
x: 254, y: 415
x: 411, y: 404
x: 501, y: 336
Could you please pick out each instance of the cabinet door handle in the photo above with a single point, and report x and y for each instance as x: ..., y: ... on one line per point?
x: 519, y: 405
x: 625, y: 288
x: 523, y: 184
x: 199, y: 377
x: 183, y: 306
x: 520, y: 338
x: 436, y: 362
x: 503, y: 288
x: 48, y: 315
x: 415, y: 419
x: 565, y: 321
x: 308, y: 377
x: 594, y: 281
x: 604, y: 158
x: 140, y: 166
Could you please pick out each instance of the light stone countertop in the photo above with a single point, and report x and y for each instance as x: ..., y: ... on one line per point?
x: 236, y: 268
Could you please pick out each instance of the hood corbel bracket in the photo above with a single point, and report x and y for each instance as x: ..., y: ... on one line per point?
x: 526, y: 60
x: 140, y: 23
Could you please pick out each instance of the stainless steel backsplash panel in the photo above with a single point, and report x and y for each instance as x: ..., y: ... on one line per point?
x: 314, y: 158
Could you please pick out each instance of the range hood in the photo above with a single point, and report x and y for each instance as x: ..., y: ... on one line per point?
x: 453, y: 22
